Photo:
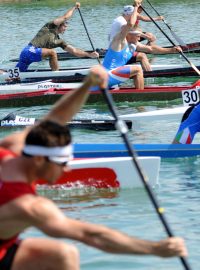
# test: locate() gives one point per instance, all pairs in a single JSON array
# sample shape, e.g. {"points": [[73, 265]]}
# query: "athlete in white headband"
{"points": [[51, 141], [43, 147]]}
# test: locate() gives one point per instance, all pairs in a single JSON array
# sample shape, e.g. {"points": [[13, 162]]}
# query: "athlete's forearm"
{"points": [[80, 53], [65, 17], [113, 241], [147, 19], [69, 13], [77, 52], [94, 235], [159, 18], [161, 50], [154, 49], [133, 18]]}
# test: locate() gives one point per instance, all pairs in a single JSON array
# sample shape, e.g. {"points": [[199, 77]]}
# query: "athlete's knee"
{"points": [[52, 53], [151, 37], [141, 56], [68, 255], [68, 250], [136, 70], [49, 53], [140, 71]]}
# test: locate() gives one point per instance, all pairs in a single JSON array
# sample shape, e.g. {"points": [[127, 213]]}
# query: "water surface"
{"points": [[127, 210]]}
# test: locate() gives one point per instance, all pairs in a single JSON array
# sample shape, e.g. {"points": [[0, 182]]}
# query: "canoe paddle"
{"points": [[123, 130], [87, 33], [178, 39], [184, 56]]}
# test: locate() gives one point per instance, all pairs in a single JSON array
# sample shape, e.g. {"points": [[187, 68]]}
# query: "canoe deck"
{"points": [[77, 74], [117, 172], [49, 96]]}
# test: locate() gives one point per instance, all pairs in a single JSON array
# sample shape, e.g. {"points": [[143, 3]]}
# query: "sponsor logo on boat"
{"points": [[18, 121], [8, 123], [47, 86]]}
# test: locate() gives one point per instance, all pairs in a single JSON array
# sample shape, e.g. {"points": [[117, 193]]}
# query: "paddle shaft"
{"points": [[123, 132], [179, 40], [184, 56], [87, 33]]}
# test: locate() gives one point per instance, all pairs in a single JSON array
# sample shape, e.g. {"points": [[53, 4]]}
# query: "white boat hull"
{"points": [[163, 114], [124, 169], [71, 72], [36, 86]]}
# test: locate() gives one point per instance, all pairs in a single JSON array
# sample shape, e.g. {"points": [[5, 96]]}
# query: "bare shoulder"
{"points": [[32, 202], [30, 205]]}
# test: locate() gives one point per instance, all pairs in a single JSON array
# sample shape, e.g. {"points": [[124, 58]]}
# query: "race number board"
{"points": [[190, 96], [13, 73]]}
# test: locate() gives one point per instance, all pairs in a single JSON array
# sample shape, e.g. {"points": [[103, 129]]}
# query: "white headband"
{"points": [[61, 159], [57, 152], [135, 32]]}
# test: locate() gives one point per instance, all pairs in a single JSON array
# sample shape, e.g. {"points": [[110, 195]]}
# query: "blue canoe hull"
{"points": [[119, 150]]}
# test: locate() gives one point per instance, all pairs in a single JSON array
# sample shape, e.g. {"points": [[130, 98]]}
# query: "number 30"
{"points": [[190, 97]]}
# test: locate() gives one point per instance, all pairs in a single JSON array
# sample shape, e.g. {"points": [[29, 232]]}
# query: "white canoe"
{"points": [[163, 114], [117, 172], [35, 86], [70, 72], [157, 115]]}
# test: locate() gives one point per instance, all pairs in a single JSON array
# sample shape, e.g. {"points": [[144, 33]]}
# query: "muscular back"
{"points": [[47, 37]]}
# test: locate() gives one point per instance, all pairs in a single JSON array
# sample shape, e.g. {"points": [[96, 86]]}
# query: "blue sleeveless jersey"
{"points": [[115, 59]]}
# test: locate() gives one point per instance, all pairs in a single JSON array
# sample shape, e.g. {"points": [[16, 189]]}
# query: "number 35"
{"points": [[13, 73]]}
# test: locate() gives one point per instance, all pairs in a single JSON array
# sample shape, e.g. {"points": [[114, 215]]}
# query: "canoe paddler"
{"points": [[125, 17], [43, 152], [133, 38], [122, 51], [146, 35], [122, 20], [46, 40], [119, 53]]}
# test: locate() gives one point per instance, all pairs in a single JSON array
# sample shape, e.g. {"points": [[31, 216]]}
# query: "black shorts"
{"points": [[6, 262], [142, 39], [133, 59]]}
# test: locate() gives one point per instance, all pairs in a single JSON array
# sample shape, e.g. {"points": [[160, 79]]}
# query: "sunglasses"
{"points": [[62, 164]]}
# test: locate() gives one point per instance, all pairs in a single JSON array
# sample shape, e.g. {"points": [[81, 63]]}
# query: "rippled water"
{"points": [[127, 210]]}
